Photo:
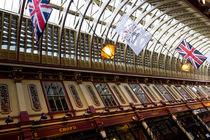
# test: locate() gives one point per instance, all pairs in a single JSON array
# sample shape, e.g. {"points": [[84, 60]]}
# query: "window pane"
{"points": [[182, 92], [139, 93], [58, 103], [52, 104], [197, 91], [65, 106], [172, 92], [56, 96], [165, 93], [159, 94], [105, 94], [206, 89]]}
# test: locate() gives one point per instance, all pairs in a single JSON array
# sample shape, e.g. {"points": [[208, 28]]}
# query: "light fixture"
{"points": [[103, 133], [202, 2], [68, 114], [185, 67], [107, 109], [43, 116], [133, 118], [9, 119], [108, 51]]}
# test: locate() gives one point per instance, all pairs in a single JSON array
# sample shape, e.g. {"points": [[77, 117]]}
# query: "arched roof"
{"points": [[169, 22]]}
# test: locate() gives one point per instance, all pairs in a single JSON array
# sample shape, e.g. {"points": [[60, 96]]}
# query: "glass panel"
{"points": [[75, 96], [52, 103], [164, 92], [139, 93], [206, 90], [58, 103], [93, 95], [5, 32], [159, 94], [172, 92], [56, 96], [182, 92], [197, 91], [105, 94], [65, 106]]}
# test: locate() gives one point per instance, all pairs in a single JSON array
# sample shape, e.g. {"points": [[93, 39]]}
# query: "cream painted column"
{"points": [[82, 87], [201, 121], [182, 128], [18, 76], [149, 132], [122, 90], [21, 98]]}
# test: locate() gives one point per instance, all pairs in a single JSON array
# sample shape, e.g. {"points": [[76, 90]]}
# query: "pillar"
{"points": [[24, 117], [182, 128], [85, 94], [149, 132], [203, 123], [78, 78], [17, 74]]}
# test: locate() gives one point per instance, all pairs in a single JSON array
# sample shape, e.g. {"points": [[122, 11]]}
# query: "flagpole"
{"points": [[19, 29]]}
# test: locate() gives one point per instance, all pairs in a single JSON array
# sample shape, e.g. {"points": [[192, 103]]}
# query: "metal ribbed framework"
{"points": [[80, 29]]}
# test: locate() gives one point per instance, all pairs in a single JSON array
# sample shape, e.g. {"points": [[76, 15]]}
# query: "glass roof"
{"points": [[168, 21]]}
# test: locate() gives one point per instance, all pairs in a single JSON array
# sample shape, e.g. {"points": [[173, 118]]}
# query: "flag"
{"points": [[208, 57], [191, 54], [136, 37], [40, 11]]}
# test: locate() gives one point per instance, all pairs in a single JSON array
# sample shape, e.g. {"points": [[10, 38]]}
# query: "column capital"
{"points": [[17, 74]]}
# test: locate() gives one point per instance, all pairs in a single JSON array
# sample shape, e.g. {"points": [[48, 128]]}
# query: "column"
{"points": [[91, 108], [85, 94], [203, 123], [149, 132], [182, 128], [18, 76], [21, 99]]}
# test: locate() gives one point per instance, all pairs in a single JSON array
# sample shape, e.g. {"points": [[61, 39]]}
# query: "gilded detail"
{"points": [[67, 129]]}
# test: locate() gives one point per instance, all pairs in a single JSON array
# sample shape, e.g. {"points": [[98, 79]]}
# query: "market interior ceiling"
{"points": [[169, 21]]}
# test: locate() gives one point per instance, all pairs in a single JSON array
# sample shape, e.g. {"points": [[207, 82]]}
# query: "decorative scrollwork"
{"points": [[118, 94], [75, 96], [34, 97], [93, 95]]}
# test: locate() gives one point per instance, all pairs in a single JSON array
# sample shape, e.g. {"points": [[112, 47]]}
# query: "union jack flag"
{"points": [[191, 54], [40, 11]]}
